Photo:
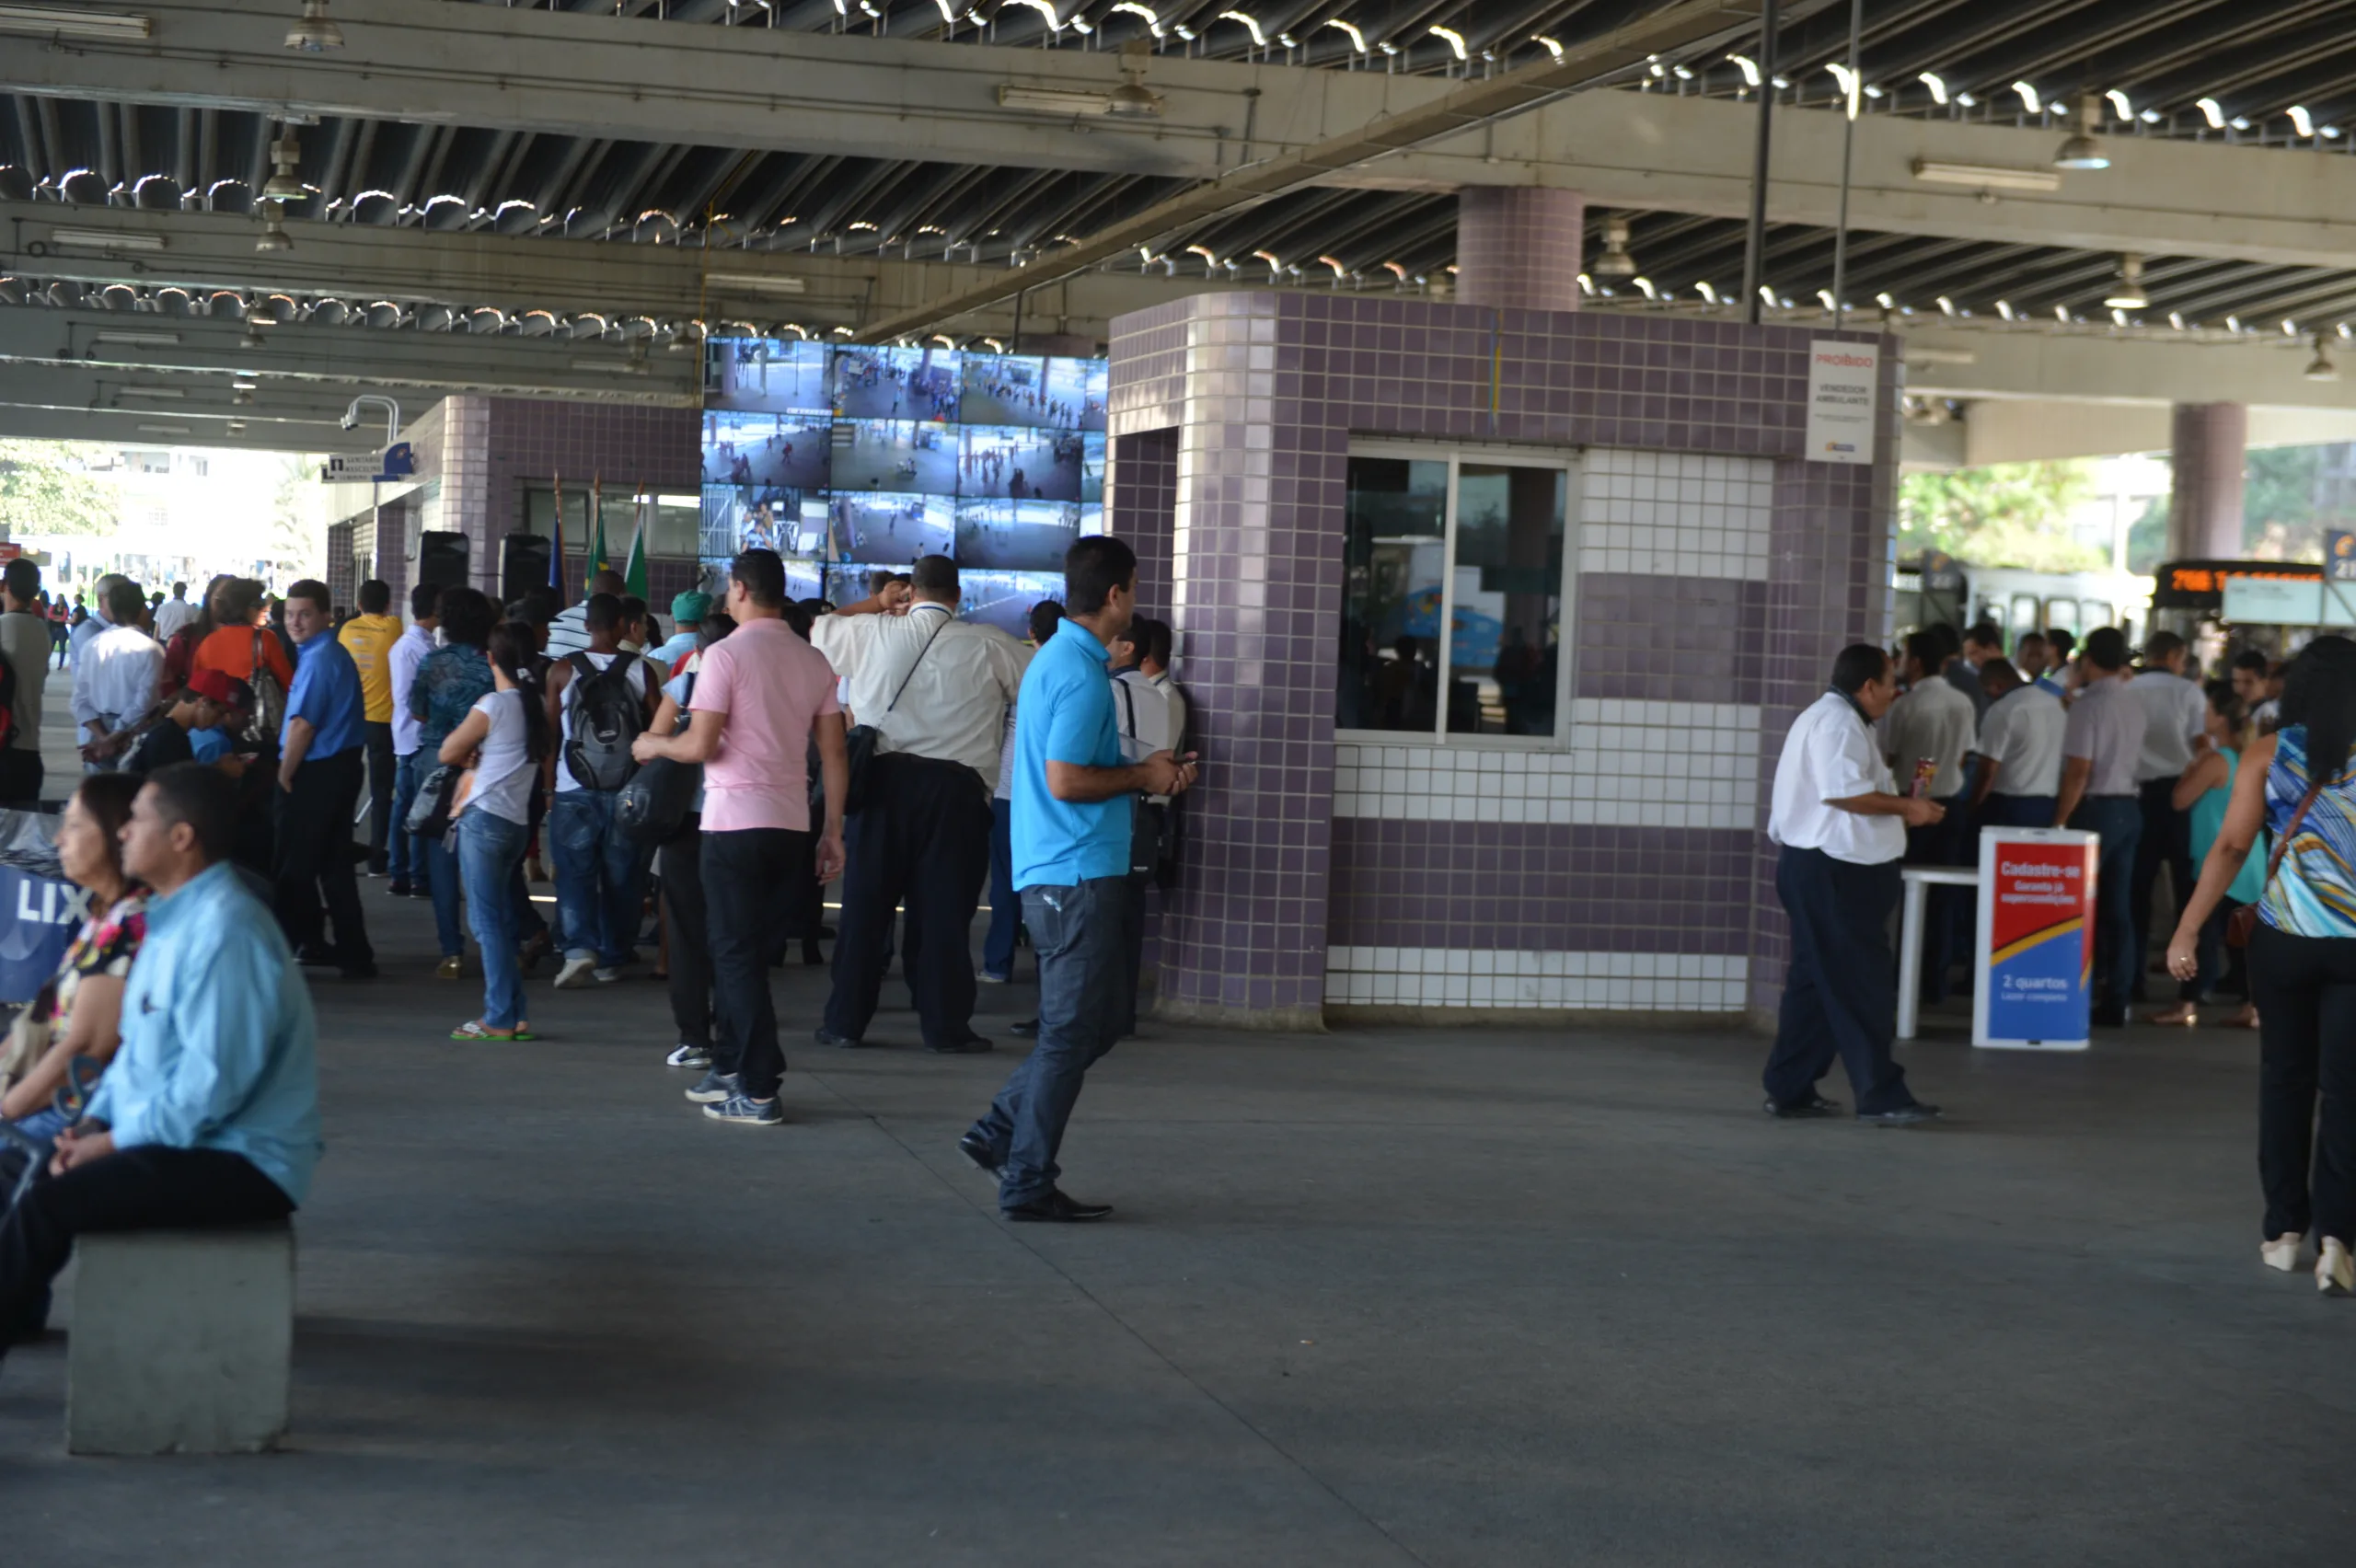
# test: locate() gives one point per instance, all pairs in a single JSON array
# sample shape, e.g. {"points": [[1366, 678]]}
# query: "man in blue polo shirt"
{"points": [[319, 751], [1071, 831]]}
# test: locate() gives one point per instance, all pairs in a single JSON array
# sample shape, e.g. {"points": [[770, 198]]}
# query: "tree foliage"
{"points": [[2004, 514], [51, 487]]}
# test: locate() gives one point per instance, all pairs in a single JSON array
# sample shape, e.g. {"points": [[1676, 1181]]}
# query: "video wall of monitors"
{"points": [[849, 460]]}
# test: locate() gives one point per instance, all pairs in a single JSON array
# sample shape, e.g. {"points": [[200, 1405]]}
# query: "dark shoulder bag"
{"points": [[859, 741], [2242, 921], [1145, 815], [653, 807]]}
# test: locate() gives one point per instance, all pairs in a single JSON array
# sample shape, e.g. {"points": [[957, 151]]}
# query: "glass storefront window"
{"points": [[1465, 541]]}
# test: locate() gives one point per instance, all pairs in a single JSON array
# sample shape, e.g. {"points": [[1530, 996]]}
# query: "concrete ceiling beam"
{"points": [[2155, 371]]}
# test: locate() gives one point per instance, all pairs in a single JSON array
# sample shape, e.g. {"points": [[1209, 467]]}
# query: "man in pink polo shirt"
{"points": [[762, 695]]}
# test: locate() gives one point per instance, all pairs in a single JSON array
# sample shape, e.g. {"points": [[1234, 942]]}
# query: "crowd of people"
{"points": [[2171, 774]]}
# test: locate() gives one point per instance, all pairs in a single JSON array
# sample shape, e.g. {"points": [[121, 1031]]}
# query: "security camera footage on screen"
{"points": [[852, 461]]}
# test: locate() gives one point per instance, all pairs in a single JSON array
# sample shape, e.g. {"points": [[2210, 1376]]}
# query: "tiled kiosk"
{"points": [[1556, 811]]}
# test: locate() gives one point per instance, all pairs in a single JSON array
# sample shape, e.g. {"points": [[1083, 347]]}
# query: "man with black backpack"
{"points": [[600, 700]]}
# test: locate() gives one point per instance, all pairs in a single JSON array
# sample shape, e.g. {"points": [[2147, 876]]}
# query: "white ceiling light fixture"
{"points": [[1986, 177], [99, 239], [2301, 121], [1152, 22], [2211, 112], [1967, 100], [286, 156], [1553, 47], [1938, 86], [2118, 101], [2320, 368], [2080, 149], [314, 34], [1454, 39], [274, 234], [2004, 309], [759, 282], [2029, 101], [1946, 305], [1615, 261], [1052, 101], [1706, 290], [2127, 293], [1250, 21], [179, 430], [168, 394], [59, 21], [117, 337], [1132, 99], [1749, 67], [1357, 38]]}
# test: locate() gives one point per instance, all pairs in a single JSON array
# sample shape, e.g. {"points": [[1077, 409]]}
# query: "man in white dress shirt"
{"points": [[2175, 718], [1841, 830], [115, 679], [1934, 722], [936, 690]]}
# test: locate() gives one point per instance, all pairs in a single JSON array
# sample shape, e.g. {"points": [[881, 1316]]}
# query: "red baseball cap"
{"points": [[214, 686]]}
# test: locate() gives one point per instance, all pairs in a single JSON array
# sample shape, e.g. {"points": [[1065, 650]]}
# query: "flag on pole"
{"points": [[634, 574], [556, 552], [598, 561]]}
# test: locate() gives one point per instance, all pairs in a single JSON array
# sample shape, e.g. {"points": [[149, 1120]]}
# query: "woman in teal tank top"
{"points": [[2301, 790], [2201, 794]]}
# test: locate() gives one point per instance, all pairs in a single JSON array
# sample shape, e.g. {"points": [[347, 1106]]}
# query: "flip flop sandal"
{"points": [[474, 1029]]}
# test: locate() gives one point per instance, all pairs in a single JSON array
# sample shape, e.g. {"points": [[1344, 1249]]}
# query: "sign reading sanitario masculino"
{"points": [[1842, 378]]}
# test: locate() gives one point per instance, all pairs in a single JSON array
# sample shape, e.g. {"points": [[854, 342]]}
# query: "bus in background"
{"points": [[1937, 589]]}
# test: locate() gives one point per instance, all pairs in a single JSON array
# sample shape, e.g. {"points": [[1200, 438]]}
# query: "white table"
{"points": [[1918, 879]]}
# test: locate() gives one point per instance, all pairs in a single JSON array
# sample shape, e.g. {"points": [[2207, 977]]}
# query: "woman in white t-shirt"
{"points": [[502, 741]]}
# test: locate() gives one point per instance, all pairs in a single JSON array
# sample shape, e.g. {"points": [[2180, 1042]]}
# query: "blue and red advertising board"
{"points": [[2036, 939]]}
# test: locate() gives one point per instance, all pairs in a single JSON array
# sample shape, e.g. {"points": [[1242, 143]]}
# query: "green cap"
{"points": [[691, 605]]}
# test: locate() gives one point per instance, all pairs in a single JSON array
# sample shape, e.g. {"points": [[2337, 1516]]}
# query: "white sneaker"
{"points": [[2335, 1270], [686, 1055], [2282, 1253], [605, 976], [575, 974]]}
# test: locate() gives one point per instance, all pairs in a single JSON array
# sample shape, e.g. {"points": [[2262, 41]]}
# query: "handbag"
{"points": [[653, 807], [429, 814], [859, 743], [269, 699], [2243, 921]]}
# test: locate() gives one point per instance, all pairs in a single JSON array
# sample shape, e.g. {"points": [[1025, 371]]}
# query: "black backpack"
{"points": [[609, 708]]}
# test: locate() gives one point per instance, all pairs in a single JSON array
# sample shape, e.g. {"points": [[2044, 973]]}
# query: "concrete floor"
{"points": [[1487, 1297]]}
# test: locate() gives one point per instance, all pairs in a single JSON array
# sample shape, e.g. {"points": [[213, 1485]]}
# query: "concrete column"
{"points": [[1518, 246], [2206, 447]]}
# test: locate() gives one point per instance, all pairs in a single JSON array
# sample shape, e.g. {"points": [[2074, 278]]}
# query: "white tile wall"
{"points": [[1674, 513], [1630, 765], [1371, 976]]}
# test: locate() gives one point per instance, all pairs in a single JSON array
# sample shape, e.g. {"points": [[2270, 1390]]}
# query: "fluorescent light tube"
{"points": [[1053, 101], [137, 340], [100, 240], [759, 282], [59, 21], [1986, 177]]}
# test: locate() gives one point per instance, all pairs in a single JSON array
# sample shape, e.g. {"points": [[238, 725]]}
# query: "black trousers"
{"points": [[21, 772], [2306, 992], [751, 880], [1947, 913], [2166, 841], [314, 856], [379, 742], [1841, 997], [149, 1188], [680, 865], [923, 838]]}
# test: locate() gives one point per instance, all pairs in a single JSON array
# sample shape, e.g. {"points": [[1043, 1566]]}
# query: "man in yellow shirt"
{"points": [[369, 637]]}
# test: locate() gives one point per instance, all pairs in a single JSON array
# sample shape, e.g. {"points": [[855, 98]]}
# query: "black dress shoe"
{"points": [[365, 971], [313, 956], [811, 957], [972, 1046], [1814, 1105], [840, 1042], [1026, 1027], [976, 1147], [1913, 1116], [399, 888], [1055, 1209], [2108, 1017]]}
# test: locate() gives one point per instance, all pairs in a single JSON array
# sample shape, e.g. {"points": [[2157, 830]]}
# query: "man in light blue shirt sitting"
{"points": [[209, 1114], [1071, 833], [319, 751]]}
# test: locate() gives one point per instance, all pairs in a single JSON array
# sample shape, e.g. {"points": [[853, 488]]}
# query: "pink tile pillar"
{"points": [[1518, 246], [2207, 445]]}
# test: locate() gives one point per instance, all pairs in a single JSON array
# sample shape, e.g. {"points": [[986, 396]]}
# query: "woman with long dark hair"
{"points": [[2297, 785], [501, 743]]}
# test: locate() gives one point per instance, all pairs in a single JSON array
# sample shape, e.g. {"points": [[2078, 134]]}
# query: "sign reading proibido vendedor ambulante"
{"points": [[1841, 382]]}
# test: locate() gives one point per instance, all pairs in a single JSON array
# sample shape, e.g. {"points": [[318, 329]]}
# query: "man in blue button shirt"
{"points": [[209, 1111], [319, 751], [1071, 824]]}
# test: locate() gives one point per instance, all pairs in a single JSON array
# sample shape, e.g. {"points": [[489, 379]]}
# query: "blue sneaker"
{"points": [[746, 1112], [716, 1086]]}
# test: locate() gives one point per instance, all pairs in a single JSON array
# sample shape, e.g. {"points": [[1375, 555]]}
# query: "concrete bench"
{"points": [[181, 1341]]}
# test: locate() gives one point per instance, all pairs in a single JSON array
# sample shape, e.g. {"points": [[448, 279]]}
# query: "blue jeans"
{"points": [[491, 855], [2119, 820], [442, 881], [1006, 904], [600, 876], [403, 859], [1078, 933]]}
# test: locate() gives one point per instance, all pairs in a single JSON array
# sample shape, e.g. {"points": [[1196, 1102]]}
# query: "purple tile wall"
{"points": [[1669, 638], [1141, 495], [1519, 245], [1538, 888], [1263, 393]]}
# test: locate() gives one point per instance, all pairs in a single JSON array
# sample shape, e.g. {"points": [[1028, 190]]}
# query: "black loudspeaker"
{"points": [[442, 560], [523, 563]]}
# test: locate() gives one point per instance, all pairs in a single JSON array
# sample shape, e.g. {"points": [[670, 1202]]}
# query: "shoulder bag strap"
{"points": [[1129, 701], [913, 663], [258, 652], [2282, 842]]}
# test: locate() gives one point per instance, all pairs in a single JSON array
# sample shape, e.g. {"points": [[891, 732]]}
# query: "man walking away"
{"points": [[175, 613], [403, 858], [761, 695], [24, 639], [369, 638], [2100, 744], [1841, 828], [599, 701], [1006, 904], [319, 750], [936, 690], [1071, 860], [209, 1114], [2019, 771], [117, 677], [97, 623], [2175, 717]]}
